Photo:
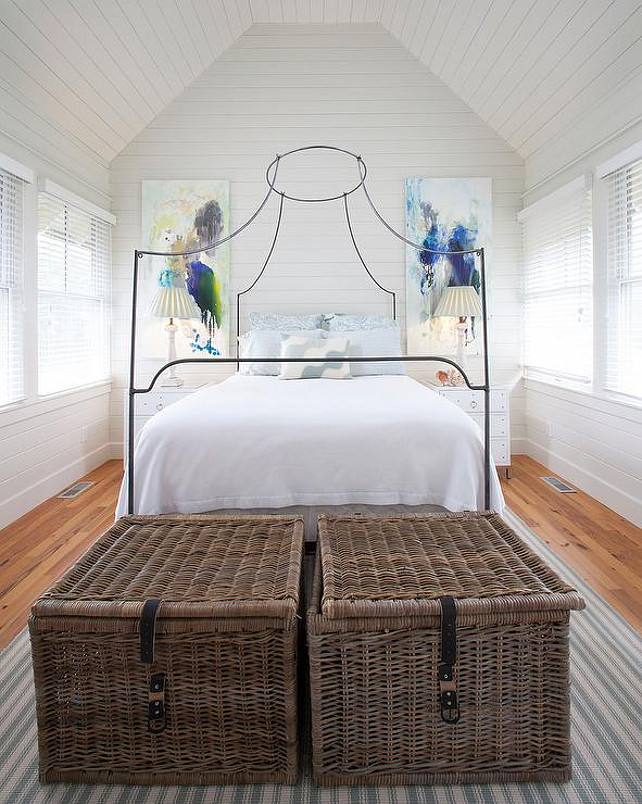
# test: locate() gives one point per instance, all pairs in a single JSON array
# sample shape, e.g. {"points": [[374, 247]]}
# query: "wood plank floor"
{"points": [[604, 548]]}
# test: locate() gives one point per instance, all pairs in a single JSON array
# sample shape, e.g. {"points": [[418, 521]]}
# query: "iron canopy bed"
{"points": [[128, 495]]}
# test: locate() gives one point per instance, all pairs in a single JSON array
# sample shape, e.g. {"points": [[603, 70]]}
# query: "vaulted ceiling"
{"points": [[98, 71]]}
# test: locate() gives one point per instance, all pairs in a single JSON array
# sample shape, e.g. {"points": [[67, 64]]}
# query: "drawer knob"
{"points": [[159, 406], [473, 404]]}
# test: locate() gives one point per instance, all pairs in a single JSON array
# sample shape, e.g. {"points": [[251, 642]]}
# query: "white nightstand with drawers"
{"points": [[472, 403], [148, 405]]}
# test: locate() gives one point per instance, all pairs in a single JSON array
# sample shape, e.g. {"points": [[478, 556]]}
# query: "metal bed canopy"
{"points": [[271, 174]]}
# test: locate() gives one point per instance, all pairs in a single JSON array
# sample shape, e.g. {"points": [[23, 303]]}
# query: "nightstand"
{"points": [[147, 405], [472, 403]]}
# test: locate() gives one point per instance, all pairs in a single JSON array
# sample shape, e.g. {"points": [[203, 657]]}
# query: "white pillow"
{"points": [[330, 350], [285, 322], [382, 342], [342, 322], [266, 343]]}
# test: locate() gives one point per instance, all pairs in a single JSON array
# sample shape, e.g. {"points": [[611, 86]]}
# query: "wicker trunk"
{"points": [[200, 689], [388, 705]]}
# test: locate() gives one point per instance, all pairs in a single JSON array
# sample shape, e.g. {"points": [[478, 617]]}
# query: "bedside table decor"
{"points": [[462, 303], [172, 301]]}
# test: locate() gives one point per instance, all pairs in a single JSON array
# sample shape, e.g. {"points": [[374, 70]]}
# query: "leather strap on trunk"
{"points": [[156, 711], [447, 685]]}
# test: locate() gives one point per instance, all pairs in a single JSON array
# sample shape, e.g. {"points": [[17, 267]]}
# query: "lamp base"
{"points": [[461, 343]]}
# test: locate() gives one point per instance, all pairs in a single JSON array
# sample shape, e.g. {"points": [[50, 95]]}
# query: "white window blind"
{"points": [[623, 370], [74, 258], [11, 289], [558, 305]]}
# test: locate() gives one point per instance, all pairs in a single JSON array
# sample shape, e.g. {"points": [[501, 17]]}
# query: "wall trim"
{"points": [[618, 501], [17, 169], [30, 408], [572, 188], [53, 188], [59, 166], [586, 398], [34, 495], [624, 158], [586, 154]]}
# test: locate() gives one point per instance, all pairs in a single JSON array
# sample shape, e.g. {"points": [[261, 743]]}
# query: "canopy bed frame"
{"points": [[271, 179]]}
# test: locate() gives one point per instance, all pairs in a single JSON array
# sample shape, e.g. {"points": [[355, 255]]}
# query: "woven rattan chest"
{"points": [[199, 689], [438, 650]]}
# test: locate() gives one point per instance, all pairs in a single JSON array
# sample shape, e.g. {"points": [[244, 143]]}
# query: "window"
{"points": [[11, 289], [74, 255], [558, 286], [623, 371]]}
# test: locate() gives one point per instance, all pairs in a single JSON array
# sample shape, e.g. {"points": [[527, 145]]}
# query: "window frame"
{"points": [[32, 404], [69, 204], [576, 189], [598, 388]]}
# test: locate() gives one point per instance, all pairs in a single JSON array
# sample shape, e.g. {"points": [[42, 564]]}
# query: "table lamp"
{"points": [[172, 301], [459, 302]]}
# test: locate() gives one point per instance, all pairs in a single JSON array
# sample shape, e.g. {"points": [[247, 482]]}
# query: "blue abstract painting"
{"points": [[442, 215]]}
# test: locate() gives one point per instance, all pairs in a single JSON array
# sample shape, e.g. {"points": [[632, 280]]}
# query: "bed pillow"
{"points": [[383, 342], [326, 358], [285, 322], [266, 343], [342, 322]]}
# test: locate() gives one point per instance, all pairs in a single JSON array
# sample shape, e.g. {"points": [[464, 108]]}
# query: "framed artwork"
{"points": [[179, 215], [445, 215]]}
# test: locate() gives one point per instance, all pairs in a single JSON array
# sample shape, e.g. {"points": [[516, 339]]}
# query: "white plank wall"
{"points": [[281, 87], [593, 443], [42, 450]]}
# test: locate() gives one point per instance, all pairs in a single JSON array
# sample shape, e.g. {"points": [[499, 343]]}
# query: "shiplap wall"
{"points": [[41, 440], [594, 443], [280, 87]]}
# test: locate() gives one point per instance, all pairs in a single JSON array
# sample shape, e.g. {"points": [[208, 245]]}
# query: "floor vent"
{"points": [[558, 484], [74, 491]]}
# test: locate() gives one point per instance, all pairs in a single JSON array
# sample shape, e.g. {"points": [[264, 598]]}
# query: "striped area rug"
{"points": [[606, 731]]}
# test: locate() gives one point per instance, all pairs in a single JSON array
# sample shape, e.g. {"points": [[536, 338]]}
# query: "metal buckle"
{"points": [[157, 714], [449, 707]]}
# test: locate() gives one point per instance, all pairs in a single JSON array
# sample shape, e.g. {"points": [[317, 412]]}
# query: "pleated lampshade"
{"points": [[459, 302], [173, 301]]}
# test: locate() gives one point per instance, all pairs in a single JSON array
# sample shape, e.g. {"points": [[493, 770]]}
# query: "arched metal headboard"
{"points": [[271, 177]]}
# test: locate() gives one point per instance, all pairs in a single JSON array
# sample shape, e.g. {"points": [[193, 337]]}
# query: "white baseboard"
{"points": [[618, 501], [46, 487]]}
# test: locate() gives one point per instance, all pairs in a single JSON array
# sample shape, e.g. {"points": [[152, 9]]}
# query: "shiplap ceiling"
{"points": [[100, 70]]}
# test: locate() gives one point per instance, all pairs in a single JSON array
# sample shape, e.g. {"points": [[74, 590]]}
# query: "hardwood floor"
{"points": [[601, 546], [38, 547], [604, 548]]}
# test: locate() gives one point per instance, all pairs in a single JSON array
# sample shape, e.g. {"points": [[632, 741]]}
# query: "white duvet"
{"points": [[263, 442]]}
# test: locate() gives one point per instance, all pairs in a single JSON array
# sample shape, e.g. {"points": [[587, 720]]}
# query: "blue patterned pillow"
{"points": [[341, 321], [267, 343], [325, 358], [279, 321]]}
